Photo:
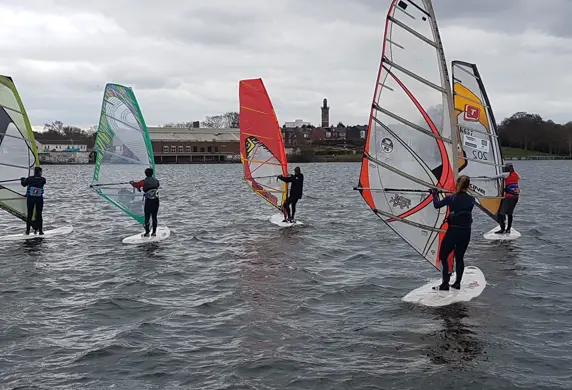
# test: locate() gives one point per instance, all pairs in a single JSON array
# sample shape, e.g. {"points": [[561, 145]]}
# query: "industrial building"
{"points": [[173, 145]]}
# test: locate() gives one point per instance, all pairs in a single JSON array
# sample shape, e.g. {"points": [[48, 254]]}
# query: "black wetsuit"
{"points": [[150, 187], [35, 201], [296, 190], [458, 234]]}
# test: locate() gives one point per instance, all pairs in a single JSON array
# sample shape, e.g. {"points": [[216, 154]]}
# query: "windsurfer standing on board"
{"points": [[295, 195], [459, 232], [35, 200], [511, 192], [150, 187]]}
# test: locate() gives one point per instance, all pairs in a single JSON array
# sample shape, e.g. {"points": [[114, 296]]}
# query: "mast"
{"points": [[449, 92]]}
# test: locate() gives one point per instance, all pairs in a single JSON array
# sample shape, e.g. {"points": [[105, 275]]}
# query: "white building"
{"points": [[60, 146], [296, 123]]}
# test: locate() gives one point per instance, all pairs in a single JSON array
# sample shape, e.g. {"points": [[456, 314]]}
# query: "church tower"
{"points": [[325, 114]]}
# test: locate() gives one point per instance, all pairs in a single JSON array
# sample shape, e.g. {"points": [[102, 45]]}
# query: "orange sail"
{"points": [[262, 149]]}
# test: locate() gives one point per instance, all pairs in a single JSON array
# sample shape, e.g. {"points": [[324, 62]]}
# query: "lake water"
{"points": [[231, 301]]}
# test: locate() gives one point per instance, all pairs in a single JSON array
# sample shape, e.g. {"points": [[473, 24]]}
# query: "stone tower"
{"points": [[325, 114]]}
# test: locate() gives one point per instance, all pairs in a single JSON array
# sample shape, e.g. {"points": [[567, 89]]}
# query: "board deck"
{"points": [[492, 236], [472, 285], [47, 234], [277, 219], [163, 232]]}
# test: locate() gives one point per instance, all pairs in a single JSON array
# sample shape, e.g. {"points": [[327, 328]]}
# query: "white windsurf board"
{"points": [[492, 236], [47, 234], [277, 219], [472, 285], [163, 232]]}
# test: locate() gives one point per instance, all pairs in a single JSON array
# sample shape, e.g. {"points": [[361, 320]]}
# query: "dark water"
{"points": [[230, 301]]}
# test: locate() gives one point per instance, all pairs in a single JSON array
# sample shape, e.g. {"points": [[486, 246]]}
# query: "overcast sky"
{"points": [[184, 58]]}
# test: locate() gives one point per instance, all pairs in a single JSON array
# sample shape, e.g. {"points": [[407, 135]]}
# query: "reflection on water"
{"points": [[456, 342], [33, 246]]}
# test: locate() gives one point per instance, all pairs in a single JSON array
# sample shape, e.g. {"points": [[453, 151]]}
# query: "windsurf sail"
{"points": [[409, 146], [18, 154], [262, 149], [480, 154], [123, 151]]}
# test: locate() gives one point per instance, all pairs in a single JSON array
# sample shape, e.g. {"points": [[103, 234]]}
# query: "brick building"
{"points": [[194, 145]]}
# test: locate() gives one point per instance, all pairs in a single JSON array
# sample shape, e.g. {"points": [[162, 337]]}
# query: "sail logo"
{"points": [[386, 145], [476, 189], [250, 144], [472, 113], [400, 201]]}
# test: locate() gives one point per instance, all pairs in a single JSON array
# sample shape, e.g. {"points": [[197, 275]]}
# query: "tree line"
{"points": [[228, 120], [531, 132], [57, 132]]}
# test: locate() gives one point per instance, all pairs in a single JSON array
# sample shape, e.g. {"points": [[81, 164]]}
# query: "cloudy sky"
{"points": [[184, 57]]}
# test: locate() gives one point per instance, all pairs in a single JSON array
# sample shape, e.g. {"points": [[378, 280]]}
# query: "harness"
{"points": [[152, 193], [457, 218], [35, 191], [511, 185], [454, 218]]}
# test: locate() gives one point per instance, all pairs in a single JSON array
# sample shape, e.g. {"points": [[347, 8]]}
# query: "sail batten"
{"points": [[18, 154], [15, 137], [413, 32], [261, 144], [410, 143], [411, 74], [123, 150], [408, 123]]}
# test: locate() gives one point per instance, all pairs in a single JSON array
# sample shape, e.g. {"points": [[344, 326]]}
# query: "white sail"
{"points": [[18, 154], [409, 147], [481, 155]]}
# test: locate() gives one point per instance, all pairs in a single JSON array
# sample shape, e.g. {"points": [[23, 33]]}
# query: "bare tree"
{"points": [[55, 126], [215, 122], [232, 120]]}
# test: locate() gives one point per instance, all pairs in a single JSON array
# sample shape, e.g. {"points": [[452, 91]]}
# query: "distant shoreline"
{"points": [[308, 156]]}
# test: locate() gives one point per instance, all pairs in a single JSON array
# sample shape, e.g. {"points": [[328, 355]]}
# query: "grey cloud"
{"points": [[513, 16], [184, 57]]}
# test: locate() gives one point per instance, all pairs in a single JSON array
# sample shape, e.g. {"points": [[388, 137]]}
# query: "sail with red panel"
{"points": [[262, 149], [410, 144]]}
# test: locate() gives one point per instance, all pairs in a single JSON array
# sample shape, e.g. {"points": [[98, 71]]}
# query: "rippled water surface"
{"points": [[231, 301]]}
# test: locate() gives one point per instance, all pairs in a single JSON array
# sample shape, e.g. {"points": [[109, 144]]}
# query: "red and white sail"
{"points": [[410, 144]]}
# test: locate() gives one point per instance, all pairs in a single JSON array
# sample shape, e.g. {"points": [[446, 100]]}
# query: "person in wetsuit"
{"points": [[511, 192], [34, 200], [150, 187], [459, 232], [296, 189]]}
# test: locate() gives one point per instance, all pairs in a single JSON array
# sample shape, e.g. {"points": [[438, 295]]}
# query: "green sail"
{"points": [[18, 154], [123, 151]]}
